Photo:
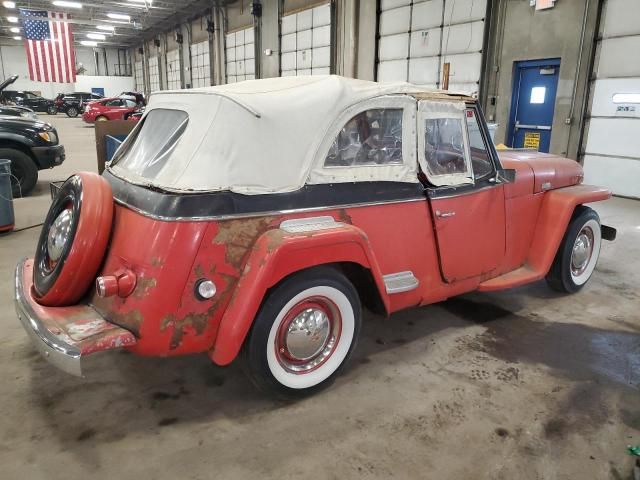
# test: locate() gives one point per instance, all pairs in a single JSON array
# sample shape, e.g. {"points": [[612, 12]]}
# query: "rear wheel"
{"points": [[101, 118], [52, 110], [72, 112], [578, 253], [24, 172], [304, 333]]}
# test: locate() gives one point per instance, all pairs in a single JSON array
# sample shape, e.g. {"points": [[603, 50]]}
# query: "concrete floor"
{"points": [[525, 384]]}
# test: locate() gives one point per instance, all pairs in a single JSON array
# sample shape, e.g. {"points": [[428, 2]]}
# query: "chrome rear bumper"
{"points": [[63, 335]]}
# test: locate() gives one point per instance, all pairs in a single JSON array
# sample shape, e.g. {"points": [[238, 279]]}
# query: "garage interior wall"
{"points": [[612, 140], [418, 38], [518, 32], [306, 41]]}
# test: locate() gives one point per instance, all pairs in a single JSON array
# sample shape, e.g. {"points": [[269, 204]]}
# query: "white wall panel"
{"points": [[460, 41], [240, 55], [154, 74], [389, 4], [173, 70], [603, 92], [620, 18], [201, 64], [394, 47], [619, 57], [621, 175], [426, 15], [612, 146], [306, 42], [425, 43]]}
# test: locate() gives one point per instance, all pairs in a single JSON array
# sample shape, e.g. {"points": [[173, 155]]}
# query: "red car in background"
{"points": [[108, 109]]}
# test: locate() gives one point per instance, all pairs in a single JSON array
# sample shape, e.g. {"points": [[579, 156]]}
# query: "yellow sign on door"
{"points": [[532, 140]]}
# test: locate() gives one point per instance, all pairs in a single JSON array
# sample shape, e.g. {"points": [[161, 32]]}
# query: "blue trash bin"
{"points": [[7, 218]]}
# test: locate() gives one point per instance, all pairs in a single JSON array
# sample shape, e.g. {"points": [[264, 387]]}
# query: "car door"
{"points": [[466, 202]]}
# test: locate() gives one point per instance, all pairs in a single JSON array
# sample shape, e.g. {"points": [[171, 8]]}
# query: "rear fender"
{"points": [[555, 214], [277, 254]]}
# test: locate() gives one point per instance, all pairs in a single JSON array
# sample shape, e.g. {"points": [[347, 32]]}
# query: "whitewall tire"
{"points": [[578, 253], [304, 333]]}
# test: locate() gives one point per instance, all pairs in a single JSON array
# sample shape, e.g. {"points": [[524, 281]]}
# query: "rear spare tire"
{"points": [[24, 172], [73, 240]]}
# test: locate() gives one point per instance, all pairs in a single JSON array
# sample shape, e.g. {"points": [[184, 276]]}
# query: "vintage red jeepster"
{"points": [[259, 217]]}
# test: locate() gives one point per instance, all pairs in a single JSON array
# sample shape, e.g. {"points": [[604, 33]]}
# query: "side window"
{"points": [[372, 137], [130, 103], [480, 159], [444, 149], [113, 103]]}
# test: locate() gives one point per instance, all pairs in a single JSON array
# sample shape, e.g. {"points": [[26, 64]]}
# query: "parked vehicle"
{"points": [[268, 239], [27, 99], [31, 145], [108, 109], [135, 96], [135, 116], [14, 110], [74, 103]]}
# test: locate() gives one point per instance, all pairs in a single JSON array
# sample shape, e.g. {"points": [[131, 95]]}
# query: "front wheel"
{"points": [[304, 333], [24, 172], [72, 112], [52, 110], [578, 253]]}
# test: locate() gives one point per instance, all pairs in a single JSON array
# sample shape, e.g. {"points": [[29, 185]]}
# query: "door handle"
{"points": [[440, 214]]}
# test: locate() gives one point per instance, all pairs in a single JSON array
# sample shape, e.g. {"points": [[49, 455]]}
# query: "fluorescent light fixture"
{"points": [[89, 43], [146, 2], [106, 28], [96, 36], [17, 37], [119, 16], [64, 3], [14, 30], [626, 98], [12, 19], [9, 4]]}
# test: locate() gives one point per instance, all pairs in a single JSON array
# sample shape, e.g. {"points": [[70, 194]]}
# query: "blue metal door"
{"points": [[532, 104]]}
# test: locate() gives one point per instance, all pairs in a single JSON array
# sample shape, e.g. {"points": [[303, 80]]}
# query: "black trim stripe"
{"points": [[217, 204]]}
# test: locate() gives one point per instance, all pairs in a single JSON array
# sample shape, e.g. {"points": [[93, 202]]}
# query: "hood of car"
{"points": [[18, 123], [549, 171], [7, 82]]}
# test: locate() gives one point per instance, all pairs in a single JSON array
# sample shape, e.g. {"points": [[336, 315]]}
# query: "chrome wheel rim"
{"points": [[582, 251], [59, 234], [308, 335]]}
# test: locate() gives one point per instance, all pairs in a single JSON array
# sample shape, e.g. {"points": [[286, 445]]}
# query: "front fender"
{"points": [[277, 254], [555, 214]]}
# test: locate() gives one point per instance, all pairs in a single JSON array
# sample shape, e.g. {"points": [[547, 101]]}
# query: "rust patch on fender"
{"points": [[131, 320], [143, 285], [239, 235]]}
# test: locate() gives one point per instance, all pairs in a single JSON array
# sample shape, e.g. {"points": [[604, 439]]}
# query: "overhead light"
{"points": [[9, 4], [17, 37], [141, 1], [64, 3], [106, 28], [13, 19], [89, 43], [14, 30], [119, 16], [96, 36], [626, 98]]}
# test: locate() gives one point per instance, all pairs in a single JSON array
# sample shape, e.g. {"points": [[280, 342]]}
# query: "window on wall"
{"points": [[306, 42], [139, 67], [154, 74], [240, 55], [173, 70], [200, 65]]}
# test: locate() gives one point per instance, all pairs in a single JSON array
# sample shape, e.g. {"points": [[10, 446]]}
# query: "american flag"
{"points": [[49, 44]]}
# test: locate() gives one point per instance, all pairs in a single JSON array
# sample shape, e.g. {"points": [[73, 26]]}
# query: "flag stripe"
{"points": [[49, 46]]}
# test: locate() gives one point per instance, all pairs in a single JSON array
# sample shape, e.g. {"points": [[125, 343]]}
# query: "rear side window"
{"points": [[147, 149], [372, 137]]}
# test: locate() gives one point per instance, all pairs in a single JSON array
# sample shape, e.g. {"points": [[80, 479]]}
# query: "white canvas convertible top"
{"points": [[260, 136]]}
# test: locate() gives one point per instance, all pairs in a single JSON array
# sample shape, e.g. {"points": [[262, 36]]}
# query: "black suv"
{"points": [[27, 99], [31, 145], [73, 103]]}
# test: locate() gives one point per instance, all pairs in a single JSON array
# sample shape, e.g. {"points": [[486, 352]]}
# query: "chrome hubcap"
{"points": [[308, 335], [59, 233], [582, 250]]}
